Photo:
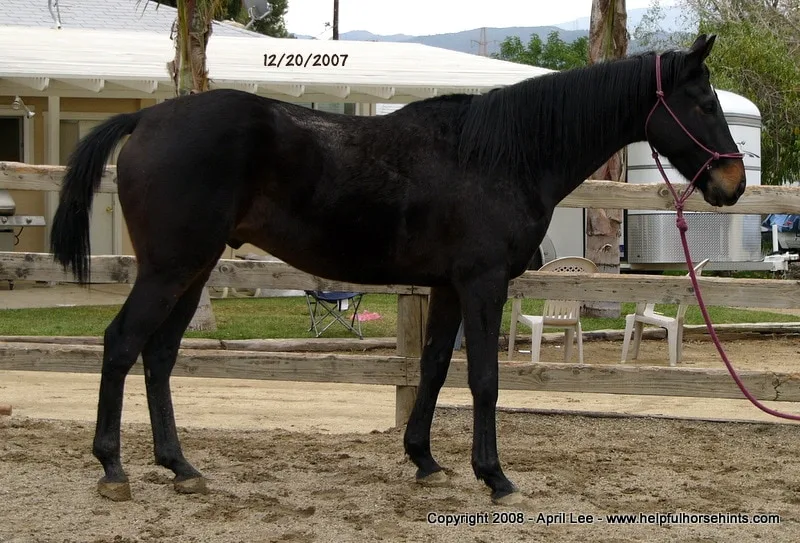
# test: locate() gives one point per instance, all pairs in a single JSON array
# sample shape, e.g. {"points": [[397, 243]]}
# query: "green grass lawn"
{"points": [[246, 318]]}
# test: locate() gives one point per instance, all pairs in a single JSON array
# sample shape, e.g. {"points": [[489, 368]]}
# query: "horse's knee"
{"points": [[118, 356], [158, 363], [484, 390], [117, 365]]}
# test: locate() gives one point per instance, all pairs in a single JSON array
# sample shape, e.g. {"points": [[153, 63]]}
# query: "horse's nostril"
{"points": [[740, 188]]}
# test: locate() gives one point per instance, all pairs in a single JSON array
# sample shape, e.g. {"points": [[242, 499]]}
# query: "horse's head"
{"points": [[695, 104]]}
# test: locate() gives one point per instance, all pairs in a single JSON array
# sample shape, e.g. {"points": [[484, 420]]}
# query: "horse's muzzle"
{"points": [[726, 183]]}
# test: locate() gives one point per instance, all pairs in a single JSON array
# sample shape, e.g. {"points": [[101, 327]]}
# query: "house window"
{"points": [[336, 107], [11, 139], [348, 108]]}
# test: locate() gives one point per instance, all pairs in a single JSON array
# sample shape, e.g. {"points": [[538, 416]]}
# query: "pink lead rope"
{"points": [[683, 227]]}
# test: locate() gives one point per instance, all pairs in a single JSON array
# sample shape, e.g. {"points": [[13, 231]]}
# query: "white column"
{"points": [[52, 145], [366, 109]]}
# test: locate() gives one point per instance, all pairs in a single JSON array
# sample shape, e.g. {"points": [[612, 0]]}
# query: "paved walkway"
{"points": [[30, 294]]}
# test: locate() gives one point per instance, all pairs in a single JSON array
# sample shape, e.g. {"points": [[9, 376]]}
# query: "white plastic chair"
{"points": [[556, 313], [646, 314]]}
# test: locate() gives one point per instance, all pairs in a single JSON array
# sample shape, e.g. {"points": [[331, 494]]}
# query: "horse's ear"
{"points": [[701, 47]]}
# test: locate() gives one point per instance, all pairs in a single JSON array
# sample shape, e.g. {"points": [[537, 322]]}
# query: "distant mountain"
{"points": [[674, 19], [466, 41], [364, 35]]}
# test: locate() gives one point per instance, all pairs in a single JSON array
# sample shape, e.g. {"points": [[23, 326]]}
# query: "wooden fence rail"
{"points": [[402, 371], [762, 293], [597, 194]]}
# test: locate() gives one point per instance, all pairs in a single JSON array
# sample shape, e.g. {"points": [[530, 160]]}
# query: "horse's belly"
{"points": [[340, 249]]}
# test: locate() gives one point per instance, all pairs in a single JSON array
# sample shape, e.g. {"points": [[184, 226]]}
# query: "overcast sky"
{"points": [[420, 17]]}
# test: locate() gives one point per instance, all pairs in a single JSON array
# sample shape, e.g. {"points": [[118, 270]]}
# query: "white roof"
{"points": [[134, 15], [82, 62]]}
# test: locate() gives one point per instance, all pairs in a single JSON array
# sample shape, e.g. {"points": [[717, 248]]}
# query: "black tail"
{"points": [[69, 240]]}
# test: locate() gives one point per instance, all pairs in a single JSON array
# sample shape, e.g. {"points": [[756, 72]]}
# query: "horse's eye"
{"points": [[709, 107]]}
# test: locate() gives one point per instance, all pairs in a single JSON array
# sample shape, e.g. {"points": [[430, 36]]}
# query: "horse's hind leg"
{"points": [[444, 318], [150, 302], [159, 356]]}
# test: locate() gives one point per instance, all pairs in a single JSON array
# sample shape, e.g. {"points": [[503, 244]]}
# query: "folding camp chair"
{"points": [[325, 306]]}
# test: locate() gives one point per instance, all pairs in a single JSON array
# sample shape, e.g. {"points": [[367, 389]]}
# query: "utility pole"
{"points": [[482, 43], [335, 19]]}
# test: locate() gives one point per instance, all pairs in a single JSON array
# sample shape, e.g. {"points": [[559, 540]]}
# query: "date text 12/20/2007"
{"points": [[303, 61]]}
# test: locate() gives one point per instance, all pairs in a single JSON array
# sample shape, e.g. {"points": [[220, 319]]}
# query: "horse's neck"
{"points": [[601, 124]]}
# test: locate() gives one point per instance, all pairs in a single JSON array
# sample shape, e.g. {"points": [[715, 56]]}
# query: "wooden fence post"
{"points": [[5, 409], [412, 313]]}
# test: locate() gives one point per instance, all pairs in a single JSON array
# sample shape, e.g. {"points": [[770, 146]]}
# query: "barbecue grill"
{"points": [[9, 221]]}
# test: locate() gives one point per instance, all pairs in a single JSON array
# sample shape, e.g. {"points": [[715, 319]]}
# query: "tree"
{"points": [[555, 54], [271, 25], [650, 35], [608, 39], [758, 57]]}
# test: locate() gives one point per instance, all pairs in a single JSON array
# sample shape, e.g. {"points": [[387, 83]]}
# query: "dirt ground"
{"points": [[277, 485], [322, 462]]}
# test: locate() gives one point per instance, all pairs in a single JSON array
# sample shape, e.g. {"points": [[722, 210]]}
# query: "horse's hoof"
{"points": [[514, 498], [192, 485], [118, 492], [437, 478]]}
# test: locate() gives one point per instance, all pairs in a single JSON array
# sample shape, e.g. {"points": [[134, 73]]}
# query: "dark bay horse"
{"points": [[454, 192]]}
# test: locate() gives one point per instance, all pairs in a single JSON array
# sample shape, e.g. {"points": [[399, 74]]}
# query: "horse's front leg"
{"points": [[444, 317], [482, 301]]}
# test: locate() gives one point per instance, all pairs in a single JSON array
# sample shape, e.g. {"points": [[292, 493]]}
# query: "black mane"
{"points": [[512, 130]]}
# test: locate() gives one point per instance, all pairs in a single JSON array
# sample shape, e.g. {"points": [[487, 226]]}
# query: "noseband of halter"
{"points": [[713, 155], [682, 227]]}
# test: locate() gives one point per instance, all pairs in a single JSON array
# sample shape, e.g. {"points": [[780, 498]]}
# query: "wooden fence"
{"points": [[592, 194], [402, 370]]}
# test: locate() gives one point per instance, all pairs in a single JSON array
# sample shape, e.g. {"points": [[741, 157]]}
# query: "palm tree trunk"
{"points": [[608, 39], [188, 71]]}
